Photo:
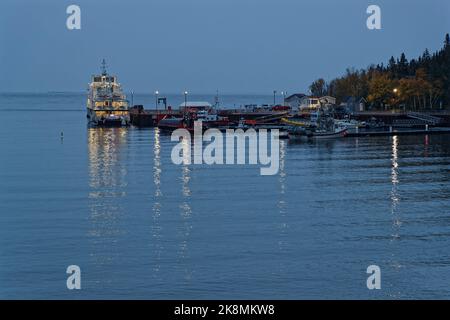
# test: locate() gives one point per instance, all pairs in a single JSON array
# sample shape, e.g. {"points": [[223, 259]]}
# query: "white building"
{"points": [[300, 101], [328, 100]]}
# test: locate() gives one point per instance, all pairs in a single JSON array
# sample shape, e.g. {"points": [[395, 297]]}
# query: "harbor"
{"points": [[297, 116], [358, 123]]}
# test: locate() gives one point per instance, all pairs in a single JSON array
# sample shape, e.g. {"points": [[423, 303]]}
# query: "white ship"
{"points": [[106, 104]]}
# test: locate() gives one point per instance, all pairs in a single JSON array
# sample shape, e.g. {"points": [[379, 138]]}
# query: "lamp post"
{"points": [[156, 95], [395, 91], [283, 93], [185, 98]]}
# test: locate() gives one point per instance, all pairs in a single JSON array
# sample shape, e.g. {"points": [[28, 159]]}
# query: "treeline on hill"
{"points": [[422, 83]]}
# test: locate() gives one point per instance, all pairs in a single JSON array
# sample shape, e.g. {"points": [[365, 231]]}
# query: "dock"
{"points": [[398, 132], [393, 123], [406, 118], [143, 118]]}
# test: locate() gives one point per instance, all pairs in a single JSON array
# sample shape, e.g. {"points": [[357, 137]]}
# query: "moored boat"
{"points": [[320, 126], [338, 132], [210, 119], [312, 133], [171, 124], [106, 104], [351, 124]]}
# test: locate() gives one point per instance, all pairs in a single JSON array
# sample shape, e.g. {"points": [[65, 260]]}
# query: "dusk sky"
{"points": [[236, 46]]}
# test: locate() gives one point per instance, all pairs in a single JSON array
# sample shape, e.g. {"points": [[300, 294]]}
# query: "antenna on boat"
{"points": [[104, 73], [217, 98]]}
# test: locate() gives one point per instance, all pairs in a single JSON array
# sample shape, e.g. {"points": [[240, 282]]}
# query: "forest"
{"points": [[418, 84]]}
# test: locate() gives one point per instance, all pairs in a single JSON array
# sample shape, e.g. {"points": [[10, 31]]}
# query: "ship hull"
{"points": [[108, 121], [307, 135], [333, 135]]}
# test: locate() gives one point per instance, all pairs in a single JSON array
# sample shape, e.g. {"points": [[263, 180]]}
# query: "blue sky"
{"points": [[236, 46]]}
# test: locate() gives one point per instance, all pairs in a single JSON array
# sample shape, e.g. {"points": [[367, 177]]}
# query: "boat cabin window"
{"points": [[107, 79]]}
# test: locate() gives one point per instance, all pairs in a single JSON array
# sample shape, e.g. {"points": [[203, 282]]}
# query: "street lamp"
{"points": [[395, 91], [156, 95], [283, 93], [185, 98]]}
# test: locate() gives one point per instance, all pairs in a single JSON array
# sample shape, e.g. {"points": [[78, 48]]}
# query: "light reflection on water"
{"points": [[157, 245], [283, 246], [394, 192], [108, 187], [185, 229], [396, 219]]}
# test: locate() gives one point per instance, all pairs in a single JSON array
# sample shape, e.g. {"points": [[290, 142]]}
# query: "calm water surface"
{"points": [[112, 202]]}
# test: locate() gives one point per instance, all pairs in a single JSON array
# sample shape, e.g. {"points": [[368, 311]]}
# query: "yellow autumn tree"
{"points": [[381, 89]]}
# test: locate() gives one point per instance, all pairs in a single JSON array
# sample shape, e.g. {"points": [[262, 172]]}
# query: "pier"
{"points": [[391, 131], [393, 123], [434, 118], [143, 118]]}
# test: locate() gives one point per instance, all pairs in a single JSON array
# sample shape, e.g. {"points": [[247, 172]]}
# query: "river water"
{"points": [[112, 202]]}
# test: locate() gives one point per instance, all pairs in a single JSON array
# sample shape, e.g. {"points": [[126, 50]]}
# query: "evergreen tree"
{"points": [[426, 55], [402, 66], [392, 67], [412, 67], [392, 64]]}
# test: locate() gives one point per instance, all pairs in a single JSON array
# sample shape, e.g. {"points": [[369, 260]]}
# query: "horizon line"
{"points": [[145, 93]]}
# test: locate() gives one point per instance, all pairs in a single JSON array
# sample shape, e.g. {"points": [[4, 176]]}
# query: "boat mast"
{"points": [[104, 73], [216, 102]]}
